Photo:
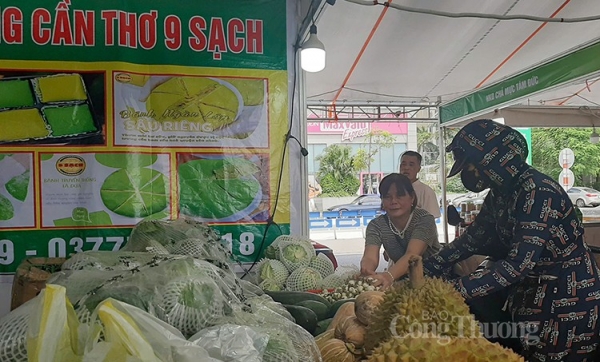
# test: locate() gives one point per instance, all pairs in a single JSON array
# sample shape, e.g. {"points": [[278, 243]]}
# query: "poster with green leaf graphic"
{"points": [[113, 112]]}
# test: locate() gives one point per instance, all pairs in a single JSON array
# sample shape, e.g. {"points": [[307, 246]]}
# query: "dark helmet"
{"points": [[495, 149]]}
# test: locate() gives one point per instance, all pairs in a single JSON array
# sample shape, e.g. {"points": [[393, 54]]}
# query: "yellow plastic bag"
{"points": [[124, 341], [133, 335], [53, 332]]}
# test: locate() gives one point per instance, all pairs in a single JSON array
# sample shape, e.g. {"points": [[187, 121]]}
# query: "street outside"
{"points": [[348, 247]]}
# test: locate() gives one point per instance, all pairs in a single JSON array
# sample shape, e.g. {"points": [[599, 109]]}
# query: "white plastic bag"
{"points": [[232, 343]]}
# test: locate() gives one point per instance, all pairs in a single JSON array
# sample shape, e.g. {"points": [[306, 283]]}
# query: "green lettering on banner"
{"points": [[160, 32], [564, 69], [244, 242]]}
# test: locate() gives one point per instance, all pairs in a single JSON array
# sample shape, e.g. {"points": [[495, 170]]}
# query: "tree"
{"points": [[546, 144], [337, 174], [364, 157]]}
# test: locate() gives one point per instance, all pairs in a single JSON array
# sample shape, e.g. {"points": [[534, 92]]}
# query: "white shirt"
{"points": [[426, 198]]}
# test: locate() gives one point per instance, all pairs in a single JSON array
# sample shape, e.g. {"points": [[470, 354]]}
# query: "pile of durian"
{"points": [[417, 320]]}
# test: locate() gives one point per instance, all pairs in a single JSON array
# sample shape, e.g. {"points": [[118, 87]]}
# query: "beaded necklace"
{"points": [[395, 230]]}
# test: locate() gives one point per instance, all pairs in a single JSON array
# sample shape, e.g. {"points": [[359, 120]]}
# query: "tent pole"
{"points": [[442, 173]]}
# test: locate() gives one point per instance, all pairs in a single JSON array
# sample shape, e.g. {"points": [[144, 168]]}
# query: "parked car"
{"points": [[473, 197], [361, 203], [584, 196]]}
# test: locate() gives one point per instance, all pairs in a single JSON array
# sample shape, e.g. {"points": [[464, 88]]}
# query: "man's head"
{"points": [[410, 164], [487, 154]]}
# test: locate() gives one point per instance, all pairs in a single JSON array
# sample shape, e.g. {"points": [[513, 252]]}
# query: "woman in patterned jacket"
{"points": [[529, 227]]}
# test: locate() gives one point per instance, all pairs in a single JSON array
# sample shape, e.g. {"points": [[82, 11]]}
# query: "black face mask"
{"points": [[471, 181]]}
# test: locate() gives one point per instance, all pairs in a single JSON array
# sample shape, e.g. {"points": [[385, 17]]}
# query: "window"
{"points": [[314, 150]]}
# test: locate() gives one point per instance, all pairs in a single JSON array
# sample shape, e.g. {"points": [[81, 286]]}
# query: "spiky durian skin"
{"points": [[434, 308], [448, 349]]}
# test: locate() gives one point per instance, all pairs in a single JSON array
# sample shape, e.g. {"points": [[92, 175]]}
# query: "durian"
{"points": [[432, 348], [420, 305]]}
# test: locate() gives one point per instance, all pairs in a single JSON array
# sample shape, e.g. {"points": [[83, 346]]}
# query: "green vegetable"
{"points": [[322, 326], [335, 306], [291, 298], [136, 192], [295, 253], [304, 317], [320, 309], [274, 270]]}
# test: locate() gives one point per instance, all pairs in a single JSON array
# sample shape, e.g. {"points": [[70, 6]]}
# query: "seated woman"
{"points": [[404, 230]]}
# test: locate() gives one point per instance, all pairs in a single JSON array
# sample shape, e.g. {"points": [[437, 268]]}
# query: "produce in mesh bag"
{"points": [[107, 260], [169, 233], [280, 349], [288, 342], [271, 285], [265, 306], [130, 294], [296, 253], [13, 332], [421, 302], [230, 342], [191, 304], [432, 348], [303, 279], [323, 265], [273, 270], [272, 251], [198, 249], [333, 281]]}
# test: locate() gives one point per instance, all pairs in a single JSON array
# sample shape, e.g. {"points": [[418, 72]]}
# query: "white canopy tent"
{"points": [[378, 54]]}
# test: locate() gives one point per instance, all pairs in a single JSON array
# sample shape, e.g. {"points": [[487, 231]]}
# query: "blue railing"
{"points": [[343, 219]]}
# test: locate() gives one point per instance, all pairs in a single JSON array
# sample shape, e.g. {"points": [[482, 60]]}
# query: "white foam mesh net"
{"points": [[303, 279], [323, 265], [333, 281], [295, 252], [101, 260], [169, 233], [13, 333], [272, 269], [190, 304], [270, 285]]}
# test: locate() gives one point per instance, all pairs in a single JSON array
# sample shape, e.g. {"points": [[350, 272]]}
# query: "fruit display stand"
{"points": [[171, 295], [380, 326]]}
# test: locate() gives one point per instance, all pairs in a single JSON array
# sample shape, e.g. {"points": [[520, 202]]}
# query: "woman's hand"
{"points": [[366, 272], [383, 280]]}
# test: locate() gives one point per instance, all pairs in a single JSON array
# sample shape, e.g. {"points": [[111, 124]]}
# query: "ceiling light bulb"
{"points": [[312, 55]]}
